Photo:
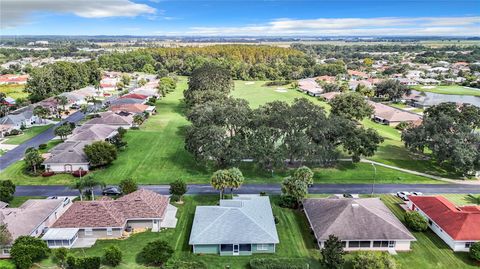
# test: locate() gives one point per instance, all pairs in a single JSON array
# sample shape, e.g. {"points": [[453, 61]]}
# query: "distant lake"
{"points": [[437, 98]]}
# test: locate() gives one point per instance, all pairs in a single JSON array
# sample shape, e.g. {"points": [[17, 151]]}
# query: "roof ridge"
{"points": [[387, 221], [211, 223], [273, 237], [336, 219]]}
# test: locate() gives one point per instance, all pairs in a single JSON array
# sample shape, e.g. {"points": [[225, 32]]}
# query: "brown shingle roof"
{"points": [[141, 204]]}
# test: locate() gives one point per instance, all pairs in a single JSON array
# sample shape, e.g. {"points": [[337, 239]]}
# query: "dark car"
{"points": [[111, 191], [347, 195]]}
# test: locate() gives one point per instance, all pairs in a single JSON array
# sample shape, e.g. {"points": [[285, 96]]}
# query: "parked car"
{"points": [[403, 195], [416, 193], [347, 195], [111, 191]]}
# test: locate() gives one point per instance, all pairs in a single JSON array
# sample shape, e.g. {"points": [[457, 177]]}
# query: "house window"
{"points": [[262, 247], [88, 231], [225, 247], [469, 244], [245, 247], [380, 244], [391, 244], [364, 244], [344, 244], [6, 251], [354, 244], [109, 231]]}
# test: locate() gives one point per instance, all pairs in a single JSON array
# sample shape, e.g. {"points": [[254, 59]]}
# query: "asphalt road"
{"points": [[57, 190], [17, 153]]}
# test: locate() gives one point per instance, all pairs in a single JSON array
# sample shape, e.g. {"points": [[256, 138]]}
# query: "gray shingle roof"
{"points": [[93, 132], [68, 152], [354, 219], [246, 219]]}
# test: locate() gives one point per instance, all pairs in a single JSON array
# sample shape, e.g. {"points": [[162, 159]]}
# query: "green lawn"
{"points": [[19, 200], [429, 251], [451, 89], [295, 237], [14, 91], [27, 134], [461, 199], [156, 154]]}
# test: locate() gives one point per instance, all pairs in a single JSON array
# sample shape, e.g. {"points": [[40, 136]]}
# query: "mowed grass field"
{"points": [[156, 155], [14, 91], [27, 134], [451, 89]]}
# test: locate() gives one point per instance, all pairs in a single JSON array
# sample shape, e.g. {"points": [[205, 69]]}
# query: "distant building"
{"points": [[310, 87], [392, 116]]}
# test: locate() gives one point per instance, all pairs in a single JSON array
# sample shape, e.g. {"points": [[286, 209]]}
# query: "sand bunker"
{"points": [[281, 90], [249, 83], [428, 87]]}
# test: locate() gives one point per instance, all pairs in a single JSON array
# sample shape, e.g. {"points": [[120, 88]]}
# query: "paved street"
{"points": [[17, 153], [273, 189]]}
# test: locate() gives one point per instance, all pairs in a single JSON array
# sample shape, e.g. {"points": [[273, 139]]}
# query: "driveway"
{"points": [[17, 153]]}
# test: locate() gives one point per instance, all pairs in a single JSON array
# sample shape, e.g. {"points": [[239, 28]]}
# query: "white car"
{"points": [[403, 195], [416, 193]]}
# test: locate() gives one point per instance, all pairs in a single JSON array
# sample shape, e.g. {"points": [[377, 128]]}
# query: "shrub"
{"points": [[48, 174], [15, 132], [175, 198], [178, 187], [27, 250], [371, 259], [288, 201], [135, 128], [100, 153], [332, 253], [79, 173], [415, 221], [278, 263], [155, 253], [185, 265], [402, 125], [112, 256], [88, 263], [475, 251], [42, 146], [128, 186], [59, 256], [7, 189]]}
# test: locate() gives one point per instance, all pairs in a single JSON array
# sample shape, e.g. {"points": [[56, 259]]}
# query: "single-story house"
{"points": [[135, 96], [149, 91], [458, 226], [32, 218], [310, 87], [330, 95], [407, 81], [133, 108], [67, 157], [93, 132], [124, 101], [13, 79], [242, 226], [108, 218], [356, 75], [5, 128], [21, 117], [353, 84], [113, 119], [392, 116], [361, 224]]}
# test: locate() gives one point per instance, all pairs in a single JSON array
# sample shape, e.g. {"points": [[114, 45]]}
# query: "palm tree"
{"points": [[138, 119], [219, 181], [235, 179], [61, 100], [41, 112], [474, 199], [89, 182], [78, 185]]}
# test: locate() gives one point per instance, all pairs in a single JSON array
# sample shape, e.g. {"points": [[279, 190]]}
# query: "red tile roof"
{"points": [[132, 108], [141, 204], [460, 223], [135, 96]]}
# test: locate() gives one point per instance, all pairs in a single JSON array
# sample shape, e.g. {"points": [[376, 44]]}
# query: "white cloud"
{"points": [[445, 26], [16, 12]]}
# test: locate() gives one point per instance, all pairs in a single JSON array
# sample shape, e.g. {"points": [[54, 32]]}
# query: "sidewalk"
{"points": [[456, 181]]}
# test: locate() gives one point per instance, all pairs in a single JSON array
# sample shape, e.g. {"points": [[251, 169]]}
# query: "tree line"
{"points": [[245, 62], [226, 130], [59, 77]]}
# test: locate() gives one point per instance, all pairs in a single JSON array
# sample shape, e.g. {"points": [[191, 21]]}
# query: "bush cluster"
{"points": [[275, 263], [415, 221]]}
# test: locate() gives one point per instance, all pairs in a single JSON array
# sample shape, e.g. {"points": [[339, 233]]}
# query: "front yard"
{"points": [[27, 134]]}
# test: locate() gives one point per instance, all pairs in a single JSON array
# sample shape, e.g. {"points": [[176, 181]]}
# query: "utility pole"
{"points": [[374, 177]]}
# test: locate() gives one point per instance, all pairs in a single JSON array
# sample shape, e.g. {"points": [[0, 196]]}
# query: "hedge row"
{"points": [[283, 263]]}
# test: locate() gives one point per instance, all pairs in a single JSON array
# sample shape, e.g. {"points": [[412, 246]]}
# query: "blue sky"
{"points": [[235, 17]]}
